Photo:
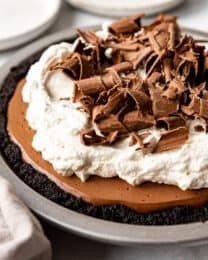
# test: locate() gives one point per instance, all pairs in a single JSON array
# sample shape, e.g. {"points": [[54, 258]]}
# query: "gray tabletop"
{"points": [[68, 246]]}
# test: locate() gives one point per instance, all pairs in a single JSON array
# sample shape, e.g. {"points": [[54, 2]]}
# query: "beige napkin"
{"points": [[21, 236]]}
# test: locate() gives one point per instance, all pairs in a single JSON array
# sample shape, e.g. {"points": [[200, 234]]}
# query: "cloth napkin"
{"points": [[21, 236]]}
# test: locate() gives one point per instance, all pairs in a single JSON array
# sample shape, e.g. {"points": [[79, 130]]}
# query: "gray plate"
{"points": [[188, 234]]}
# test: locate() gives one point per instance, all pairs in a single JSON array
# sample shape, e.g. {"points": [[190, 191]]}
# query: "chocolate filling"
{"points": [[100, 191]]}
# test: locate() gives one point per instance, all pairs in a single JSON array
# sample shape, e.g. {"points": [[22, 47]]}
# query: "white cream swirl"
{"points": [[58, 122]]}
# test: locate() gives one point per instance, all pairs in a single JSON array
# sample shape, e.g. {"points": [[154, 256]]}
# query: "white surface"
{"points": [[22, 20], [21, 236], [124, 7], [65, 246], [51, 117]]}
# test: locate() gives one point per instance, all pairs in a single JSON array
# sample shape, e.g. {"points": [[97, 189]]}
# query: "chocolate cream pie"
{"points": [[114, 125]]}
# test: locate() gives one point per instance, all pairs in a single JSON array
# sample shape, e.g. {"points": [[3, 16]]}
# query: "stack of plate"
{"points": [[21, 21], [124, 7]]}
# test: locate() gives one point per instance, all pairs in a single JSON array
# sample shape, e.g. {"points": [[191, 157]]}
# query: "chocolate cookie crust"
{"points": [[47, 188]]}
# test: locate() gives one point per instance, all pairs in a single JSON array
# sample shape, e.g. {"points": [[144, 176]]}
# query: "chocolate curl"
{"points": [[126, 46], [197, 90], [111, 79], [205, 94], [152, 62], [127, 56], [102, 98], [90, 86], [111, 124], [170, 92], [154, 43], [135, 121], [121, 67], [154, 77], [141, 55], [116, 56], [97, 58], [186, 72], [88, 36], [86, 103], [178, 85], [206, 62], [161, 19], [76, 65], [162, 106], [140, 138], [71, 64], [172, 30], [167, 65], [171, 122], [192, 58], [112, 137], [114, 104], [126, 25], [136, 139], [97, 113], [166, 18], [172, 139], [159, 38], [142, 101], [89, 137], [203, 108], [193, 107]]}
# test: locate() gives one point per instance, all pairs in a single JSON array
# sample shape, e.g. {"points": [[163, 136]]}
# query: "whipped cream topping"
{"points": [[58, 123], [65, 128]]}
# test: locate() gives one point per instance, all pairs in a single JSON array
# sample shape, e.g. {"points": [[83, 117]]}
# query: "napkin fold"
{"points": [[21, 236]]}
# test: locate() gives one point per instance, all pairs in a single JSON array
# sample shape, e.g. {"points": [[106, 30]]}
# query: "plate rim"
{"points": [[94, 228], [149, 9]]}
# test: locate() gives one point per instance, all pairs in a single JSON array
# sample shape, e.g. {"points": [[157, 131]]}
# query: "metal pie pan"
{"points": [[116, 233]]}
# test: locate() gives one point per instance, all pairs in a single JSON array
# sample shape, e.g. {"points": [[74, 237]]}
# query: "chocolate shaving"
{"points": [[172, 139], [154, 77], [142, 54], [171, 122], [86, 103], [141, 99], [76, 65], [121, 67], [89, 36], [90, 86], [203, 108], [162, 106], [136, 139], [167, 65], [126, 25], [111, 78], [111, 124], [89, 137], [114, 104], [134, 121]]}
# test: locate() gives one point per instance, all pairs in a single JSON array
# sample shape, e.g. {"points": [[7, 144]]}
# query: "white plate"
{"points": [[124, 7], [23, 20]]}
